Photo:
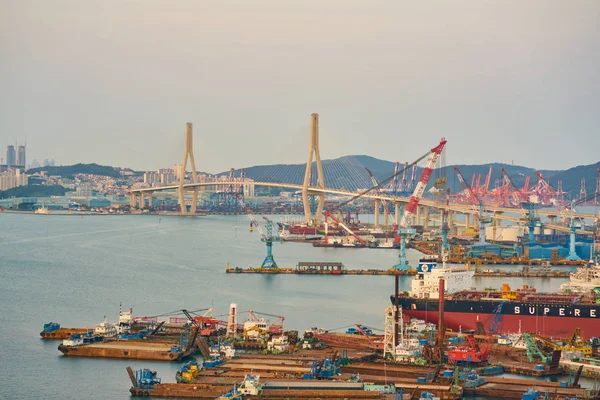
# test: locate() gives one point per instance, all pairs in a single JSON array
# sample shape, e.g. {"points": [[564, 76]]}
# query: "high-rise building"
{"points": [[10, 156], [21, 156], [178, 170], [167, 176], [151, 178]]}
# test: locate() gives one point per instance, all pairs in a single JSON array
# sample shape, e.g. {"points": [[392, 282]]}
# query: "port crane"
{"points": [[329, 216], [404, 229], [268, 238], [474, 352], [202, 346], [274, 327], [475, 200]]}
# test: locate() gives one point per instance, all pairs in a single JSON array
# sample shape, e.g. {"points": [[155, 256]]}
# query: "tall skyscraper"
{"points": [[10, 156], [21, 156]]}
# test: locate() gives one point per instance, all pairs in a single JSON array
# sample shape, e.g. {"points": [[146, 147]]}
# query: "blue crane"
{"points": [[268, 238]]}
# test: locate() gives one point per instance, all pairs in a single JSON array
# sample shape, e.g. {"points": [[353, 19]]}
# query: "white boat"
{"points": [[42, 210], [74, 340], [426, 283], [418, 325], [408, 350], [251, 385], [388, 244], [125, 321], [278, 343], [105, 329], [584, 280], [255, 327]]}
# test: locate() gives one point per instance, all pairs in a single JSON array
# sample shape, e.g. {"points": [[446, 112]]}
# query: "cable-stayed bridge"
{"points": [[345, 176]]}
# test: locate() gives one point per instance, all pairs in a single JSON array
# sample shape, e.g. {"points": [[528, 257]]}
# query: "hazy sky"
{"points": [[114, 82]]}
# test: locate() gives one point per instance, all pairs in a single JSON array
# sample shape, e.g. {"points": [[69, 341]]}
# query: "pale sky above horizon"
{"points": [[114, 82]]}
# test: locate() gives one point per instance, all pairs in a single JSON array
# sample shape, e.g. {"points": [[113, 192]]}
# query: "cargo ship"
{"points": [[547, 314]]}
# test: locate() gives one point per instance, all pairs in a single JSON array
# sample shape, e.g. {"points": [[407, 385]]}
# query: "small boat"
{"points": [[105, 329], [42, 210]]}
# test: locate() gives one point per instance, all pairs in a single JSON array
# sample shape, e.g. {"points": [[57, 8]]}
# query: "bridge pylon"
{"points": [[313, 148], [189, 152]]}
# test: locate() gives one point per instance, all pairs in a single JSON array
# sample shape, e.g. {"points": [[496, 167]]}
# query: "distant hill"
{"points": [[71, 170], [571, 178], [349, 172]]}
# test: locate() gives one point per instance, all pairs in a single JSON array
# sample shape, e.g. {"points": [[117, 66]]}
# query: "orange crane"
{"points": [[328, 216]]}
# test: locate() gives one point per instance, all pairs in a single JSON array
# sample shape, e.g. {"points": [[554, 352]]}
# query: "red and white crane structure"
{"points": [[404, 228]]}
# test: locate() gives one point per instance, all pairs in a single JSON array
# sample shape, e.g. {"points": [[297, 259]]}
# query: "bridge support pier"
{"points": [[150, 198], [142, 201], [132, 200], [418, 215], [396, 213], [385, 216], [426, 217], [189, 152], [467, 220], [377, 206], [313, 148]]}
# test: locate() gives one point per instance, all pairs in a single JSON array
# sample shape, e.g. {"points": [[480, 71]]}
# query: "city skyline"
{"points": [[502, 81]]}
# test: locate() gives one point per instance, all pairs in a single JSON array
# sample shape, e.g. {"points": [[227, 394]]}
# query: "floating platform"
{"points": [[514, 389], [189, 390], [129, 349], [64, 333]]}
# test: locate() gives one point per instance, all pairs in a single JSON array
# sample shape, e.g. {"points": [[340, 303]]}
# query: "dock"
{"points": [[330, 269]]}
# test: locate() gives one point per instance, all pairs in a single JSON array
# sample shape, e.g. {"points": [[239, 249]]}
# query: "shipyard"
{"points": [[300, 200], [442, 337]]}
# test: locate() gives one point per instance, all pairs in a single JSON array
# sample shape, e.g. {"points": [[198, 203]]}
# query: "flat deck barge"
{"points": [[514, 389], [129, 349]]}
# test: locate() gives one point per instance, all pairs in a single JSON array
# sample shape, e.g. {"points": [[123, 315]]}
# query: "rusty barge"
{"points": [[128, 349]]}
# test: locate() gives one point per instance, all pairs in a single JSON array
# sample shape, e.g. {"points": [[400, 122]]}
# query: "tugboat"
{"points": [[42, 210], [250, 386], [584, 280]]}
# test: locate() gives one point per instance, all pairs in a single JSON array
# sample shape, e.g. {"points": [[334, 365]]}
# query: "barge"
{"points": [[129, 349]]}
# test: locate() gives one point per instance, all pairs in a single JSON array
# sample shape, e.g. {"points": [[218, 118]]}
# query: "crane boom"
{"points": [[471, 197], [403, 182], [253, 220], [413, 175], [328, 215], [410, 209]]}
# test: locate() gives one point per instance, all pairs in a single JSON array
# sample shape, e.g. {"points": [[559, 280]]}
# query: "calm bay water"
{"points": [[75, 270]]}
